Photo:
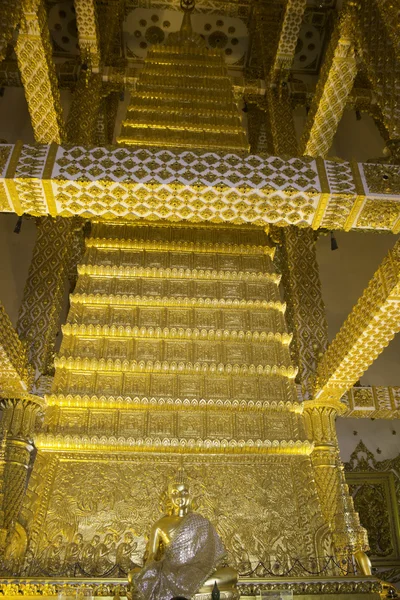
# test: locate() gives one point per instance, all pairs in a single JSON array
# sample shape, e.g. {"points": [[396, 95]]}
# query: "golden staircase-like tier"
{"points": [[184, 99], [165, 320]]}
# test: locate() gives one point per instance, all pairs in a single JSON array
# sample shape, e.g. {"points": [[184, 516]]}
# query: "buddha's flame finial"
{"points": [[186, 28]]}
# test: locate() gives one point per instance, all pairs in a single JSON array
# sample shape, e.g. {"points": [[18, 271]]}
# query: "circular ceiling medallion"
{"points": [[218, 39], [154, 35]]}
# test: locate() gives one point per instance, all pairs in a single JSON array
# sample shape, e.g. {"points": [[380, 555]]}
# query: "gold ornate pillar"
{"points": [[281, 122], [85, 109], [16, 428], [333, 89], [110, 15], [88, 31], [305, 307], [18, 411], [381, 60], [258, 125], [38, 321], [106, 119], [389, 12], [15, 373], [112, 103], [35, 62], [349, 537], [291, 23]]}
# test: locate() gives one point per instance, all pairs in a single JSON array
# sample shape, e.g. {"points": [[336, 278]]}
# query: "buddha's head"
{"points": [[179, 495]]}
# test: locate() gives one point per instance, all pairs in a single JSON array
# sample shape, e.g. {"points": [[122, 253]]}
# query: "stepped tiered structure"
{"points": [[176, 346], [175, 353], [184, 99]]}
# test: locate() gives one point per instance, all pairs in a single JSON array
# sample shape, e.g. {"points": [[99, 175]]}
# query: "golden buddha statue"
{"points": [[184, 555]]}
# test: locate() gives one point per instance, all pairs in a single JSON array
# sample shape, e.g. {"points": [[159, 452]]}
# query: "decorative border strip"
{"points": [[174, 445], [164, 302], [133, 366], [159, 273], [120, 402], [176, 333], [204, 247], [39, 586]]}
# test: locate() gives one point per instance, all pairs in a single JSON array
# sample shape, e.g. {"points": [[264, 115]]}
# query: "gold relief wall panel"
{"points": [[190, 425], [163, 385], [108, 384], [220, 425], [170, 312], [113, 496], [161, 423], [73, 421], [131, 423], [176, 235]]}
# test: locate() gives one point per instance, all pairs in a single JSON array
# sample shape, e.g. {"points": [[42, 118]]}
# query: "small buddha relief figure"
{"points": [[124, 553], [104, 555], [73, 555], [184, 554]]}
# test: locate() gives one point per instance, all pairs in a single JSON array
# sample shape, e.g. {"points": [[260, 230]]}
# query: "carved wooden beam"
{"points": [[115, 182], [333, 89], [372, 323], [35, 61]]}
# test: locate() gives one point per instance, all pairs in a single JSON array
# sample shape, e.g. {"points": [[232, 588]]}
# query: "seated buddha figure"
{"points": [[184, 555]]}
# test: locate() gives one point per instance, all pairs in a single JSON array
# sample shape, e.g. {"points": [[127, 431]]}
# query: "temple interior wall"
{"points": [[380, 436]]}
